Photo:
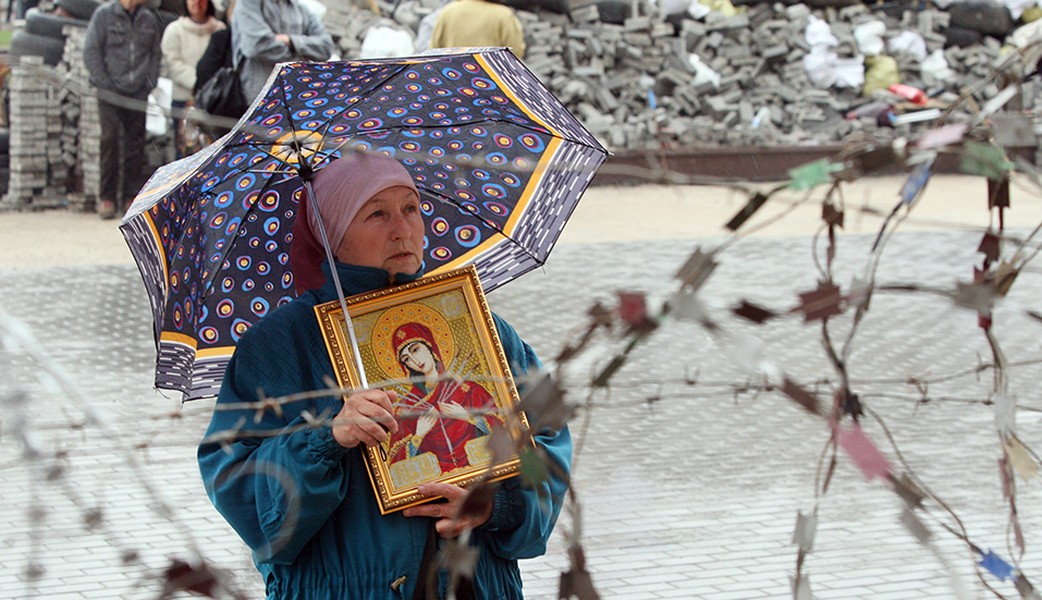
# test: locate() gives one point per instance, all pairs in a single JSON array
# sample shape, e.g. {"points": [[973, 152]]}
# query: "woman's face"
{"points": [[197, 9], [387, 233], [416, 356]]}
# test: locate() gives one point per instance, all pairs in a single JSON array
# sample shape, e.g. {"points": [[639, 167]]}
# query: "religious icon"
{"points": [[434, 343]]}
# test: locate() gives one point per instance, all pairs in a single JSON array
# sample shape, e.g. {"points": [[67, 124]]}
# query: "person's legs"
{"points": [[134, 158], [111, 131], [178, 107]]}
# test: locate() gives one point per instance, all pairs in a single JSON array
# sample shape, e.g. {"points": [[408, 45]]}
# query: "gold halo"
{"points": [[385, 326]]}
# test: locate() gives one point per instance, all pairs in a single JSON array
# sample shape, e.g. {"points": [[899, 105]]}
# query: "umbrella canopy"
{"points": [[499, 162]]}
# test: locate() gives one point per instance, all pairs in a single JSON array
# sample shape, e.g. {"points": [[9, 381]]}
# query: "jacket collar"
{"points": [[359, 280], [207, 27]]}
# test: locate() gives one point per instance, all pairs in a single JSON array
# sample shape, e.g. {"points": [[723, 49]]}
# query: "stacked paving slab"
{"points": [[38, 178], [56, 132], [81, 126]]}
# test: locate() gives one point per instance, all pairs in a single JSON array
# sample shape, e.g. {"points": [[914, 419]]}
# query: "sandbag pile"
{"points": [[644, 82]]}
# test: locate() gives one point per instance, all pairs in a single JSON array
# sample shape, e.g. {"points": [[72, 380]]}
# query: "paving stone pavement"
{"points": [[688, 487]]}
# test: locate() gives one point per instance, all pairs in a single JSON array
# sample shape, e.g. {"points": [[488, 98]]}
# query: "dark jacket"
{"points": [[305, 505], [121, 50], [218, 54]]}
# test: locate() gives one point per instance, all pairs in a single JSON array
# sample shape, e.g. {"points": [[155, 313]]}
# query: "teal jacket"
{"points": [[305, 505]]}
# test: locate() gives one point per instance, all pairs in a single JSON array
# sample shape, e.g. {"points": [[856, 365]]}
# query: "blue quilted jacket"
{"points": [[305, 505]]}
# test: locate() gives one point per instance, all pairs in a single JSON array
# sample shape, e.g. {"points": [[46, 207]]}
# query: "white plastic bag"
{"points": [[818, 33], [909, 42], [820, 66], [869, 37], [698, 11], [703, 72], [935, 69], [382, 41], [850, 72], [674, 7], [157, 114]]}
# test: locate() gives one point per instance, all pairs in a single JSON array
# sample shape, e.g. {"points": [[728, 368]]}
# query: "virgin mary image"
{"points": [[439, 414]]}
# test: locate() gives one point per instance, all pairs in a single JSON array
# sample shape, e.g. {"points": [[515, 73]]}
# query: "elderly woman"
{"points": [[300, 496]]}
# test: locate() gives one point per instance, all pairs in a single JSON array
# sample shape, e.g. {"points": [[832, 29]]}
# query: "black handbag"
{"points": [[221, 95]]}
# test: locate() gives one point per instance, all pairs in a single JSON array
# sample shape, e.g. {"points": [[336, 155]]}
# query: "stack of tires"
{"points": [[43, 32]]}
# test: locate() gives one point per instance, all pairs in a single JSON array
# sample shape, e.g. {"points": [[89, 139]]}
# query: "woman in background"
{"points": [[218, 52], [184, 42]]}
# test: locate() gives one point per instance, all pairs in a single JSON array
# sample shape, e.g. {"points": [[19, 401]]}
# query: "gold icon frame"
{"points": [[464, 342]]}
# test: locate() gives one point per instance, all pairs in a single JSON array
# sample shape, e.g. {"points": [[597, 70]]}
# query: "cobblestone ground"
{"points": [[689, 487]]}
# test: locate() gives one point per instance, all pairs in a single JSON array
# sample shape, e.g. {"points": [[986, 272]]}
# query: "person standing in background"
{"points": [[267, 32], [218, 52], [478, 23], [184, 42], [122, 55]]}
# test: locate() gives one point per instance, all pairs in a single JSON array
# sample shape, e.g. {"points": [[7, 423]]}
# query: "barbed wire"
{"points": [[628, 332]]}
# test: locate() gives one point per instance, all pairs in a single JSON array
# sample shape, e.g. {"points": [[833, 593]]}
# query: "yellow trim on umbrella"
{"points": [[162, 255], [172, 337], [216, 352], [519, 208], [178, 338], [506, 90], [533, 183]]}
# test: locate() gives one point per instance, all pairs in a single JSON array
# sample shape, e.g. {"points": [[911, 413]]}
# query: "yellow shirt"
{"points": [[478, 23]]}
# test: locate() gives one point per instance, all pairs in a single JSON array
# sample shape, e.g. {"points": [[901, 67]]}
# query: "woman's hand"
{"points": [[367, 417], [450, 523]]}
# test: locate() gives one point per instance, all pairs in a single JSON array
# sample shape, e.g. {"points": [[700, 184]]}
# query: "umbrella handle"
{"points": [[363, 381]]}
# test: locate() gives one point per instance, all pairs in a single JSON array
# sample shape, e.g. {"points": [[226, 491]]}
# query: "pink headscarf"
{"points": [[342, 187]]}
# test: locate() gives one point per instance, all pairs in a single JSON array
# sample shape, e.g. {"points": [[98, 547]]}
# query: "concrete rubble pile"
{"points": [[637, 85], [38, 177]]}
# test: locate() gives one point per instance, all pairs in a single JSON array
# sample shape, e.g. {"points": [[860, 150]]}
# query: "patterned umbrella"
{"points": [[499, 162]]}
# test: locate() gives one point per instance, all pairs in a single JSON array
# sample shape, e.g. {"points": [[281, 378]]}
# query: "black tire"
{"points": [[985, 16], [831, 3], [81, 9], [24, 43], [895, 10], [49, 25], [614, 11], [23, 6], [561, 7], [961, 37]]}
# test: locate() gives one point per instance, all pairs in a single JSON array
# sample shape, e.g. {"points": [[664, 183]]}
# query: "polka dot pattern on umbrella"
{"points": [[476, 131]]}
